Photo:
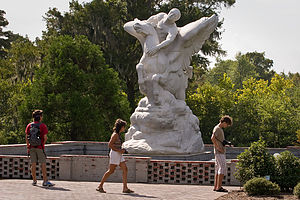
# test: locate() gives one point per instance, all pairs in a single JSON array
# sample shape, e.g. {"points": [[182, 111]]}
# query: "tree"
{"points": [[4, 35], [259, 108], [222, 67], [266, 104], [265, 110], [243, 71], [279, 118], [209, 103], [262, 65], [11, 97], [245, 66], [246, 128], [25, 58], [102, 22], [79, 93], [16, 68]]}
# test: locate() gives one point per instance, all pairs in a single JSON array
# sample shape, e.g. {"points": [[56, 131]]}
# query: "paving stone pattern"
{"points": [[21, 189]]}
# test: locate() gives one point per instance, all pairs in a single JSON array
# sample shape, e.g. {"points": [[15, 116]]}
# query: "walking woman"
{"points": [[116, 157]]}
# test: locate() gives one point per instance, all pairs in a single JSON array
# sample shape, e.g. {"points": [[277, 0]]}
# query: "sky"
{"points": [[270, 26]]}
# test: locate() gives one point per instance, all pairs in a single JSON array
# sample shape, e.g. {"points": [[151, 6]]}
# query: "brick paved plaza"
{"points": [[20, 189]]}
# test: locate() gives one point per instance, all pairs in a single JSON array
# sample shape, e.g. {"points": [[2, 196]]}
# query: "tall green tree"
{"points": [[260, 108], [4, 35], [79, 93], [245, 66], [209, 103], [243, 71], [24, 55], [247, 121], [102, 22], [11, 97], [262, 65], [16, 68], [279, 114], [265, 110]]}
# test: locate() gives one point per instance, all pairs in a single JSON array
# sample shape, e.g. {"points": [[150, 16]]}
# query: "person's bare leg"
{"points": [[216, 181], [33, 171], [44, 172], [220, 179], [110, 171], [125, 171]]}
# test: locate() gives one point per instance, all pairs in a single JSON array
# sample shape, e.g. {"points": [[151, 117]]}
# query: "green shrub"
{"points": [[287, 170], [255, 162], [261, 186], [297, 190]]}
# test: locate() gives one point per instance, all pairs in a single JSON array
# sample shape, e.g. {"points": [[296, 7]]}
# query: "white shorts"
{"points": [[220, 167], [115, 158]]}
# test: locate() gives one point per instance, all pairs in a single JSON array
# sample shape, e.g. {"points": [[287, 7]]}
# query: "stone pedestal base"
{"points": [[163, 130]]}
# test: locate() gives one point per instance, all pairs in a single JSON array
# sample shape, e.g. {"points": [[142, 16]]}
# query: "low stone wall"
{"points": [[88, 161], [92, 168], [188, 172], [19, 167], [140, 169]]}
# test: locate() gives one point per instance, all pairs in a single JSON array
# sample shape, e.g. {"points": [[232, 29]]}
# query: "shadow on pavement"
{"points": [[140, 195], [54, 188], [134, 195]]}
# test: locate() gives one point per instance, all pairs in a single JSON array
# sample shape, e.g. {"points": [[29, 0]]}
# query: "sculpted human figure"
{"points": [[165, 27], [165, 33]]}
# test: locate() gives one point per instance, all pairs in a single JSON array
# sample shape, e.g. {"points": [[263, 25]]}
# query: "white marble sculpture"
{"points": [[163, 123]]}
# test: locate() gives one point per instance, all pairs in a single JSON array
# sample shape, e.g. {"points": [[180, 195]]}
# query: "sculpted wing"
{"points": [[193, 36]]}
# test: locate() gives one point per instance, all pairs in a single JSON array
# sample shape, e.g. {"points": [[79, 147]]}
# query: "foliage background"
{"points": [[82, 74]]}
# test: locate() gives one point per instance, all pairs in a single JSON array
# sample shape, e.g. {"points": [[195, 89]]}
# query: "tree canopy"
{"points": [[4, 35], [260, 107], [79, 93], [82, 74], [102, 22]]}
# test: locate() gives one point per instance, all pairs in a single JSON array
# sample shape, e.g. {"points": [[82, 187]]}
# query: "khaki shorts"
{"points": [[220, 166], [37, 155]]}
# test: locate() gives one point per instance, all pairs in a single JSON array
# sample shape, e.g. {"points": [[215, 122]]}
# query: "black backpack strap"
{"points": [[38, 124]]}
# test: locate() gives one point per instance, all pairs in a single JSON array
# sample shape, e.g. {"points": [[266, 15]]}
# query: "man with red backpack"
{"points": [[36, 137]]}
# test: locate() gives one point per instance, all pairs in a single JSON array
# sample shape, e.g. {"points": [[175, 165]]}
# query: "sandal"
{"points": [[100, 189], [221, 190], [128, 191]]}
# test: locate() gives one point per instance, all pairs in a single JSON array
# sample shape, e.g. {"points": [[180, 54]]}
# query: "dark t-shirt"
{"points": [[43, 132]]}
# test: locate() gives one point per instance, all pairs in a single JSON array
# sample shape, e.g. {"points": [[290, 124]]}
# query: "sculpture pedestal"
{"points": [[163, 130]]}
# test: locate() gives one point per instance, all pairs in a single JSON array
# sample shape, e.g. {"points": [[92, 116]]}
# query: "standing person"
{"points": [[219, 142], [115, 156], [36, 137]]}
